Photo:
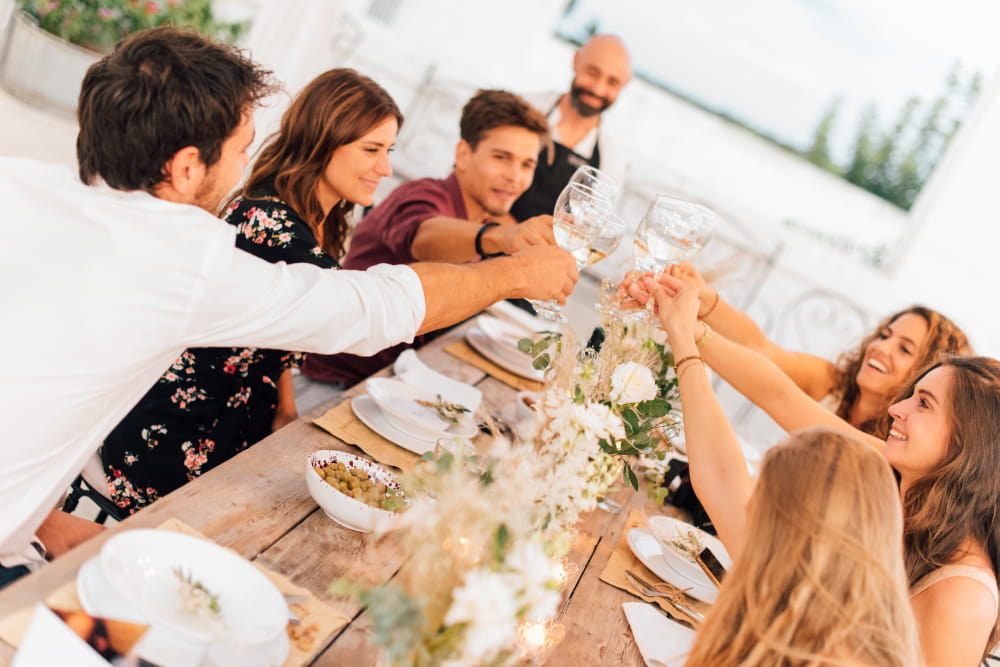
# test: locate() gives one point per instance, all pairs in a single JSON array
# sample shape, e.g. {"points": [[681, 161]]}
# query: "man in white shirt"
{"points": [[601, 68], [108, 280]]}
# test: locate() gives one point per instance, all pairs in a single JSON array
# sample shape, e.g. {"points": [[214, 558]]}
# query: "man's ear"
{"points": [[462, 153], [184, 175]]}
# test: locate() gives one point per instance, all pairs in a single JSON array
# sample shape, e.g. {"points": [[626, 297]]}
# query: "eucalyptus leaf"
{"points": [[525, 345], [541, 363]]}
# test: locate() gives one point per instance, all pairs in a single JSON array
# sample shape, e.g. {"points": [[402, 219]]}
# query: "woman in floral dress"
{"points": [[329, 154]]}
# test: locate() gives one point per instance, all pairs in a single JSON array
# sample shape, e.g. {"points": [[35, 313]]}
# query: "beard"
{"points": [[584, 109]]}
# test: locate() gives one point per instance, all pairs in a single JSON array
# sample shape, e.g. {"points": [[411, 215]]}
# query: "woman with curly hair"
{"points": [[943, 443], [330, 153], [860, 386]]}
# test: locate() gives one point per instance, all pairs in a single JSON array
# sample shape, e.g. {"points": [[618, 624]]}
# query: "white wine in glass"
{"points": [[579, 216]]}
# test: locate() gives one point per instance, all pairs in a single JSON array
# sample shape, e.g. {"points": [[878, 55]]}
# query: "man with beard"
{"points": [[601, 68], [462, 218]]}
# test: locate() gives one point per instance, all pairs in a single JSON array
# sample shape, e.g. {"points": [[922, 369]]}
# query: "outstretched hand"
{"points": [[676, 303]]}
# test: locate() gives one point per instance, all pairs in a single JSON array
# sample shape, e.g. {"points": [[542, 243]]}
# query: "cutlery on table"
{"points": [[675, 596]]}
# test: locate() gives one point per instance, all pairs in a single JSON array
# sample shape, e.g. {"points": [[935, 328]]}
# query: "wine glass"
{"points": [[672, 231], [596, 180], [580, 215]]}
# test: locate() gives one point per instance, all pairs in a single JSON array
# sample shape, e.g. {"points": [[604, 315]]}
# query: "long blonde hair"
{"points": [[820, 580]]}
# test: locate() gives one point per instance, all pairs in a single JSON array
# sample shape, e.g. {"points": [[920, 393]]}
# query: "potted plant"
{"points": [[51, 43]]}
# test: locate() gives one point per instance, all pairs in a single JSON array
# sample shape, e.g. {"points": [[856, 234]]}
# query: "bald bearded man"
{"points": [[601, 69]]}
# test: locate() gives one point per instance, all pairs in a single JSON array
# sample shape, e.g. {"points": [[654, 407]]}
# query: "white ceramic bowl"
{"points": [[342, 508]]}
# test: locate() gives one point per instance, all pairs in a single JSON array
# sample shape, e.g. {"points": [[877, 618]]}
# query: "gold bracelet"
{"points": [[710, 308], [706, 335], [683, 360]]}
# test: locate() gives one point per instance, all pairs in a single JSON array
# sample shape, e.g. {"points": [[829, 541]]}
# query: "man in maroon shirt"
{"points": [[462, 218]]}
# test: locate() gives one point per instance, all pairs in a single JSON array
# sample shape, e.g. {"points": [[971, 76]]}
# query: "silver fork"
{"points": [[646, 589]]}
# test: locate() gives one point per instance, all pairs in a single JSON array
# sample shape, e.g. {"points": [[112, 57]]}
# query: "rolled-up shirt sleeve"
{"points": [[305, 308]]}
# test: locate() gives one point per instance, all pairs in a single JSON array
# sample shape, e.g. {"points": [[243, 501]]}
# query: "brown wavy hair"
{"points": [[159, 91], [336, 108], [960, 498], [490, 109], [943, 337], [820, 580]]}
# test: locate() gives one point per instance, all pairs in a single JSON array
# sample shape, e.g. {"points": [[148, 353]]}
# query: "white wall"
{"points": [[950, 257]]}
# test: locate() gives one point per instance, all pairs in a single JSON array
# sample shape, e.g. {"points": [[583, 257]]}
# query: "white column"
{"points": [[293, 39]]}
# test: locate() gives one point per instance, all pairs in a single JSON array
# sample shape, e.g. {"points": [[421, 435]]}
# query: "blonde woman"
{"points": [[943, 442], [819, 581]]}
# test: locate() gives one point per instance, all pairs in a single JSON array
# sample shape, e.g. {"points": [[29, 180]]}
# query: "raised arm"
{"points": [[718, 470], [814, 375], [761, 381], [442, 239]]}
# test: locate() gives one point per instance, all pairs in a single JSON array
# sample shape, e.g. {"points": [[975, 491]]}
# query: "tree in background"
{"points": [[895, 162]]}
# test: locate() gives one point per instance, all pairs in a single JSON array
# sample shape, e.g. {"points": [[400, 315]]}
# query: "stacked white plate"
{"points": [[497, 339], [652, 546], [402, 409], [133, 579]]}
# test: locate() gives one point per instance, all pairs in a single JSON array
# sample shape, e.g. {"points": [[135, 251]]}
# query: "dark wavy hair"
{"points": [[943, 337], [489, 109], [159, 91], [336, 108], [960, 497]]}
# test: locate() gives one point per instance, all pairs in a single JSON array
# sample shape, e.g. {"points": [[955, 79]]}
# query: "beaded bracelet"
{"points": [[708, 312], [683, 360]]}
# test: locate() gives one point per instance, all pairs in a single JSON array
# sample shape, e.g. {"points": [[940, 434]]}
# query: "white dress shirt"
{"points": [[102, 290]]}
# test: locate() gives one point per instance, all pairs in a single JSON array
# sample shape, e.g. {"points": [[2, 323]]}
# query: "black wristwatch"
{"points": [[479, 241]]}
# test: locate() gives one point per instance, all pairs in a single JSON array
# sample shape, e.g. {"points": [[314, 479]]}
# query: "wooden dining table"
{"points": [[257, 504]]}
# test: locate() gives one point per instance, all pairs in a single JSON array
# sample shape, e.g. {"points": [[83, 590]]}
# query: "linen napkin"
{"points": [[411, 370], [660, 640], [341, 423], [461, 350], [318, 621], [623, 559], [520, 317]]}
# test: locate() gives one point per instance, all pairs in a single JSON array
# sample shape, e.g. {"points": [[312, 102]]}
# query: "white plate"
{"points": [[160, 645], [649, 551], [369, 414], [99, 598], [140, 565], [515, 361], [398, 402], [665, 528]]}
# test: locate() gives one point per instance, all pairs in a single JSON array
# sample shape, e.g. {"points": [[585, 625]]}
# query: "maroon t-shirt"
{"points": [[385, 236]]}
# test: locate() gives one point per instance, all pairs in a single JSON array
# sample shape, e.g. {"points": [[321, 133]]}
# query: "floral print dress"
{"points": [[212, 403]]}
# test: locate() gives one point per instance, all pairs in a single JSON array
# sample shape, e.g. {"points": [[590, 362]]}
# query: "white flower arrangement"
{"points": [[483, 533]]}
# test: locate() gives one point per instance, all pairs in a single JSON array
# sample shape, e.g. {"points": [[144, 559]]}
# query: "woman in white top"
{"points": [[863, 382], [943, 443]]}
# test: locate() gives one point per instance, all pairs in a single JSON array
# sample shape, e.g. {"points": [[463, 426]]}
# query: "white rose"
{"points": [[632, 383]]}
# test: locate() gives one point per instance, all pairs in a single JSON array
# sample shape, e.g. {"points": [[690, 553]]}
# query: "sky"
{"points": [[778, 64]]}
